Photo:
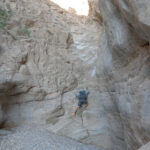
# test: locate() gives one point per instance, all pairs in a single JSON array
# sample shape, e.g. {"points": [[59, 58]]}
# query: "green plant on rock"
{"points": [[24, 31], [5, 16]]}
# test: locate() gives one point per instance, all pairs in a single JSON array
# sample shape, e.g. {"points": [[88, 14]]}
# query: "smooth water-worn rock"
{"points": [[40, 139], [126, 63], [145, 147]]}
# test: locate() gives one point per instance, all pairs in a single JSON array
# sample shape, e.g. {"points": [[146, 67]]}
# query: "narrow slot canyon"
{"points": [[51, 50]]}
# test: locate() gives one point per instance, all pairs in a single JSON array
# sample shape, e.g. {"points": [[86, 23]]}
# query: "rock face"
{"points": [[126, 63], [56, 53]]}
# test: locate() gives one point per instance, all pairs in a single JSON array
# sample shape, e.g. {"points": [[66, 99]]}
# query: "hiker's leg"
{"points": [[86, 105], [76, 111], [78, 107]]}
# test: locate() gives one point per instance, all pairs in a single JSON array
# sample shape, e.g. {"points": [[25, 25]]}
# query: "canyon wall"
{"points": [[126, 62]]}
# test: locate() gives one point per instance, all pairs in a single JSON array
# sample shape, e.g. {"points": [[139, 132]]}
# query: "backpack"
{"points": [[82, 95]]}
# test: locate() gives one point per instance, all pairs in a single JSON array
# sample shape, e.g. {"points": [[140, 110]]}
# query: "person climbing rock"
{"points": [[82, 96]]}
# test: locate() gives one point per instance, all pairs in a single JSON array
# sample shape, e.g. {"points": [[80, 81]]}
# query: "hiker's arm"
{"points": [[77, 95], [87, 91]]}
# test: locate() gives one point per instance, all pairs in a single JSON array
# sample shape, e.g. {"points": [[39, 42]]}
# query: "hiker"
{"points": [[82, 97]]}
